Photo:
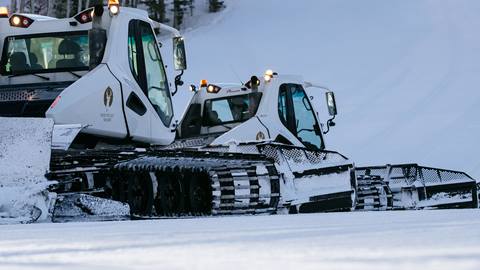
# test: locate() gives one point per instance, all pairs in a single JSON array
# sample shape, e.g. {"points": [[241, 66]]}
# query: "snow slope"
{"points": [[381, 240], [405, 72]]}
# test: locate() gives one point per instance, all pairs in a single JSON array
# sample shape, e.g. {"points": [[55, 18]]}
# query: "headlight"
{"points": [[114, 7]]}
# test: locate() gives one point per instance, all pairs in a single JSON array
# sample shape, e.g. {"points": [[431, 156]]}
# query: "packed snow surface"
{"points": [[448, 239], [405, 73]]}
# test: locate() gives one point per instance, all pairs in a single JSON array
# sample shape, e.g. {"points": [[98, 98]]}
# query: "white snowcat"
{"points": [[87, 129]]}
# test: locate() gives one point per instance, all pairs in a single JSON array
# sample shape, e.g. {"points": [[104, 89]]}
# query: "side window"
{"points": [[147, 67], [282, 105], [297, 115], [285, 110], [132, 50], [223, 110]]}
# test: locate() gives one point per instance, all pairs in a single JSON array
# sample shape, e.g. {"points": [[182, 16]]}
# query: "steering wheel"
{"points": [[305, 130], [156, 88]]}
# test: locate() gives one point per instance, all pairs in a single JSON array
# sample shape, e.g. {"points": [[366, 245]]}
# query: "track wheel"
{"points": [[140, 195], [170, 197], [199, 196]]}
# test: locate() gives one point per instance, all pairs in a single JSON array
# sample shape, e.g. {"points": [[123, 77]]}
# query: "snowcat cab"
{"points": [[100, 70], [274, 110]]}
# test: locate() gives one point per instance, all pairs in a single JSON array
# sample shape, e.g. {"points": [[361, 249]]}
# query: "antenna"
{"points": [[236, 74]]}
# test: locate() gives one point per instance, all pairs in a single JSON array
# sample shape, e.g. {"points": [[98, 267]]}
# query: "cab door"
{"points": [[298, 116], [148, 107]]}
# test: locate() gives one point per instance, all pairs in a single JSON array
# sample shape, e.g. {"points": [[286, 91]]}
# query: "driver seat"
{"points": [[69, 47], [213, 118], [18, 62]]}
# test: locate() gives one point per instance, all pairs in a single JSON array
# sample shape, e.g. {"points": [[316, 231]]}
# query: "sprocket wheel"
{"points": [[199, 196], [170, 200], [140, 195]]}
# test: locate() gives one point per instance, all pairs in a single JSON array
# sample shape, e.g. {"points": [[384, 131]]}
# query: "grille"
{"points": [[16, 95], [279, 153], [300, 155]]}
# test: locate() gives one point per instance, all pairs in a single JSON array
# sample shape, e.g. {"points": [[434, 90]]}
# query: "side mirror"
{"points": [[332, 110], [332, 105], [179, 54]]}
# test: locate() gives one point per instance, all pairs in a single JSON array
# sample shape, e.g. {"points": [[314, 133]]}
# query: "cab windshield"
{"points": [[230, 110], [45, 53]]}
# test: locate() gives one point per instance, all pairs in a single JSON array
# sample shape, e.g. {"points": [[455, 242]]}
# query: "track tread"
{"points": [[234, 179]]}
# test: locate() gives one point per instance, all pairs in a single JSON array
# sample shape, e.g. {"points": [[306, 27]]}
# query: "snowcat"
{"points": [[87, 129]]}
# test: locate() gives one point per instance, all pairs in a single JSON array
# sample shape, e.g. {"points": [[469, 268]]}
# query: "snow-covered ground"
{"points": [[375, 240], [405, 72]]}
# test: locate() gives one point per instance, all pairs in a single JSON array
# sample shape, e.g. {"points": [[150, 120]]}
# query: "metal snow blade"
{"points": [[416, 187]]}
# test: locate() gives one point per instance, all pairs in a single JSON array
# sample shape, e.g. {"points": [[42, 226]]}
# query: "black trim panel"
{"points": [[135, 104]]}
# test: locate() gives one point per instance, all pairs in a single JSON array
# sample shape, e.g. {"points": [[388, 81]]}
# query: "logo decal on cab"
{"points": [[108, 97]]}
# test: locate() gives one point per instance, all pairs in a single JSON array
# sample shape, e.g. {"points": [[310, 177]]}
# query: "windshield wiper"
{"points": [[75, 74], [227, 127], [33, 74]]}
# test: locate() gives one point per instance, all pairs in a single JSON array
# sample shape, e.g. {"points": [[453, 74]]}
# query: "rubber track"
{"points": [[234, 178], [234, 181]]}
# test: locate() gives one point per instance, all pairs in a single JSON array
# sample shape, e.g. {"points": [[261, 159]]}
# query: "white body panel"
{"points": [[247, 132], [84, 103]]}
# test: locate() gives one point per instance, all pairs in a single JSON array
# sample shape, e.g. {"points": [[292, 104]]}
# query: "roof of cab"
{"points": [[35, 17]]}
